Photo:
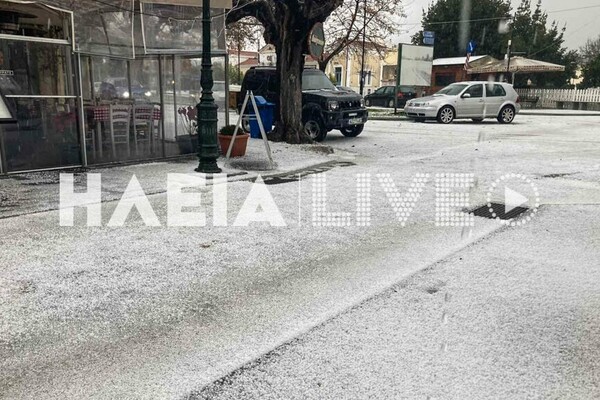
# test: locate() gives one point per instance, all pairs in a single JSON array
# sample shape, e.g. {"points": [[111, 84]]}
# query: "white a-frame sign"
{"points": [[250, 96]]}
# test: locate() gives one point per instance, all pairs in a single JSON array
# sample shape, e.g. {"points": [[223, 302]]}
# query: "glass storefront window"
{"points": [[123, 120], [138, 99], [37, 81], [104, 28], [35, 20], [31, 68], [176, 27], [46, 135]]}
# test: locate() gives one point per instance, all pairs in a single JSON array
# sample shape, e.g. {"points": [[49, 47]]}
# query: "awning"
{"points": [[517, 65]]}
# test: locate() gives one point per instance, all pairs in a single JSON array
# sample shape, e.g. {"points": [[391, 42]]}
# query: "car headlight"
{"points": [[362, 102], [126, 94], [148, 93], [333, 106]]}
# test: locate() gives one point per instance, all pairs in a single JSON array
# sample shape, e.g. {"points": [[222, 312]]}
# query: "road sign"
{"points": [[429, 41], [316, 41], [471, 47], [428, 34]]}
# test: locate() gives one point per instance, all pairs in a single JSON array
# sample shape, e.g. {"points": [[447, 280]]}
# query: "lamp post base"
{"points": [[208, 146], [208, 167]]}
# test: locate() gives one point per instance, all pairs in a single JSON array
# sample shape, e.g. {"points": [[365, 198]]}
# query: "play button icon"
{"points": [[513, 199], [514, 208]]}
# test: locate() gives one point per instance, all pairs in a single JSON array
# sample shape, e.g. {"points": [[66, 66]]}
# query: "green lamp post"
{"points": [[208, 147]]}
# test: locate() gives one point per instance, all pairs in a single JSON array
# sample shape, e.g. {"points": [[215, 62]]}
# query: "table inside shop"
{"points": [[101, 113]]}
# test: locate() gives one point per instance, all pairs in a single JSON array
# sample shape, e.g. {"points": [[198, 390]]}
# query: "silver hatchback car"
{"points": [[474, 100]]}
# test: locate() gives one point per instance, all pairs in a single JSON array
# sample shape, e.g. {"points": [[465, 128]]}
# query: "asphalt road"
{"points": [[384, 311]]}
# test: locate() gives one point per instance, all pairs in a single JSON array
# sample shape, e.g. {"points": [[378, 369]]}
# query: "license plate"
{"points": [[355, 121]]}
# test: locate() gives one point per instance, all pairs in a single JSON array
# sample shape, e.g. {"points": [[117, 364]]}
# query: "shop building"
{"points": [[95, 82]]}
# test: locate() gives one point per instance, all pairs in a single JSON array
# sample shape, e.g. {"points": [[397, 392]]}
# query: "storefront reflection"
{"points": [[46, 134]]}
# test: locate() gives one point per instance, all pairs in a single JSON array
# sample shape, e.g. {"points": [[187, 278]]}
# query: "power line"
{"points": [[572, 9]]}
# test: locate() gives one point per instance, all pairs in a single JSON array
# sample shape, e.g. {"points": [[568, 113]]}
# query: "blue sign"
{"points": [[428, 38], [471, 47]]}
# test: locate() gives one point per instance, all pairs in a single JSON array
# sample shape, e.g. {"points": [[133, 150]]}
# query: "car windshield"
{"points": [[452, 90], [316, 81]]}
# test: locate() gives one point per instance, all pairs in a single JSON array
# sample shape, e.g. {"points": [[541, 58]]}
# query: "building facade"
{"points": [[449, 70], [95, 82], [345, 69]]}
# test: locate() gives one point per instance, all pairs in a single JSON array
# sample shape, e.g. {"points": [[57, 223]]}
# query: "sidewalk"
{"points": [[387, 114], [560, 113], [38, 191], [495, 320]]}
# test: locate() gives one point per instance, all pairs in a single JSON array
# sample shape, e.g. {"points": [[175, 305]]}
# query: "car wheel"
{"points": [[391, 104], [368, 102], [477, 119], [507, 115], [446, 115], [315, 128], [353, 131]]}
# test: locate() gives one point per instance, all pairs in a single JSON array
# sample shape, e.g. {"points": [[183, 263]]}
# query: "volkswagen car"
{"points": [[467, 100]]}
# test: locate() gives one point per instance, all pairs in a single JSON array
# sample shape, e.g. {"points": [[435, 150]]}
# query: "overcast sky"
{"points": [[581, 24]]}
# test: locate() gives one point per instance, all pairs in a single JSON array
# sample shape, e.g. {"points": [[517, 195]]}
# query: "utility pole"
{"points": [[208, 146], [508, 55], [362, 63]]}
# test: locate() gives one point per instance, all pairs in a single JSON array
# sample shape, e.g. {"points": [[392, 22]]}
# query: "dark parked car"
{"points": [[112, 88], [324, 107], [384, 96]]}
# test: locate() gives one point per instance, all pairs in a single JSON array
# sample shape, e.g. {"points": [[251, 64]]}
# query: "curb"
{"points": [[561, 114]]}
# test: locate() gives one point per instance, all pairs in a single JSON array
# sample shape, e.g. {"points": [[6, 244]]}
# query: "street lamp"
{"points": [[208, 148]]}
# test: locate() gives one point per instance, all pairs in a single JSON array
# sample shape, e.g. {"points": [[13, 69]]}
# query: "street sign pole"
{"points": [[397, 83]]}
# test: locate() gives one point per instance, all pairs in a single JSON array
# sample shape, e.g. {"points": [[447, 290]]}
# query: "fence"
{"points": [[577, 99]]}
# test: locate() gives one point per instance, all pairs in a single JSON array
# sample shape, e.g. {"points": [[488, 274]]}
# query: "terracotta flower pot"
{"points": [[239, 146]]}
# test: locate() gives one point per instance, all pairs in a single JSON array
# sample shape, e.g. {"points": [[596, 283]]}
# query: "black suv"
{"points": [[324, 107]]}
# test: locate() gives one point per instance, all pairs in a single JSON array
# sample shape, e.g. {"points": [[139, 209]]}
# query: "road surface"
{"points": [[379, 311]]}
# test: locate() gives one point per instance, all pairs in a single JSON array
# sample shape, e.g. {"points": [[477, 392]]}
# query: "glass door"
{"points": [[36, 77], [38, 81]]}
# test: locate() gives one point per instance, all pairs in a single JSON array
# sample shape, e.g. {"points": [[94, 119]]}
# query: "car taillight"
{"points": [[518, 99], [400, 95]]}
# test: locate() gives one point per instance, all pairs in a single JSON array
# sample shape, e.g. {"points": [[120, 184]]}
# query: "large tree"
{"points": [[344, 28], [591, 73], [240, 35], [531, 33], [589, 56], [590, 50], [287, 25], [536, 38], [446, 18]]}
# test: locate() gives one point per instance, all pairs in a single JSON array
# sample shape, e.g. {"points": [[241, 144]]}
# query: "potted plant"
{"points": [[188, 142], [240, 143]]}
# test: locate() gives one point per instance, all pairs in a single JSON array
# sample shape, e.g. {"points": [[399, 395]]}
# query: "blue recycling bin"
{"points": [[266, 111]]}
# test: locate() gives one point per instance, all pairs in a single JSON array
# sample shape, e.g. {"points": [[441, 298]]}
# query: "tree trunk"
{"points": [[323, 64], [290, 64]]}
